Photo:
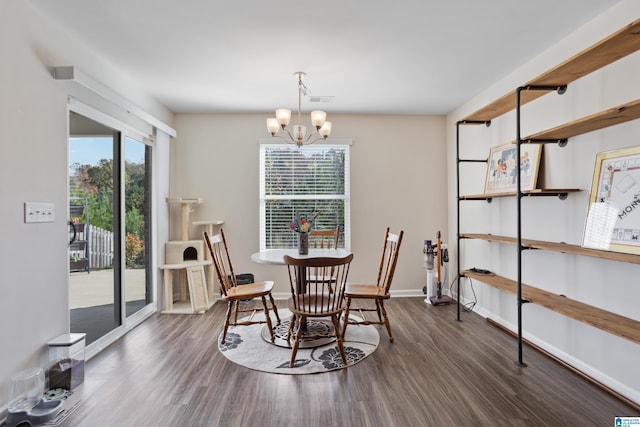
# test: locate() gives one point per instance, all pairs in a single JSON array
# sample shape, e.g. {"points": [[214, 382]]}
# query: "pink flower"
{"points": [[302, 224]]}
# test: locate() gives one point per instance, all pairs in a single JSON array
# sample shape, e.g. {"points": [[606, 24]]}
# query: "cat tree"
{"points": [[188, 259]]}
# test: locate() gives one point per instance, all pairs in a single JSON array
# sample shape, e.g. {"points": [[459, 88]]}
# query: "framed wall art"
{"points": [[613, 217], [501, 168]]}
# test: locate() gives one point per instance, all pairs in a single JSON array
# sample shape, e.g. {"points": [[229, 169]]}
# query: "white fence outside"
{"points": [[100, 247]]}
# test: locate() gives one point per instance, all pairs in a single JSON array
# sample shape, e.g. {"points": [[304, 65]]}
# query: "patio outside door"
{"points": [[109, 215], [137, 192]]}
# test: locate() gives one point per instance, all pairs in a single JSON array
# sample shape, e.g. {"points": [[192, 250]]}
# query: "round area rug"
{"points": [[245, 346]]}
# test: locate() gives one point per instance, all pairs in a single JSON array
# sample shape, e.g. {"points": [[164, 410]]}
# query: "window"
{"points": [[295, 181]]}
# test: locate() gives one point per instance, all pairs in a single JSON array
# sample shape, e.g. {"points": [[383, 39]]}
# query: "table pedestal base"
{"points": [[322, 332]]}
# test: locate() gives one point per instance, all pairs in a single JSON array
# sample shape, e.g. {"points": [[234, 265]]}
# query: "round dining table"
{"points": [[276, 257]]}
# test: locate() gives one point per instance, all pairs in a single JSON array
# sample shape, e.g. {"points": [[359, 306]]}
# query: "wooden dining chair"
{"points": [[325, 238], [316, 299], [377, 292], [234, 294]]}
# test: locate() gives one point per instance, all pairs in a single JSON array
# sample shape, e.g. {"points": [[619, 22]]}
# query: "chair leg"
{"points": [[296, 342], [346, 316], [336, 327], [226, 321], [292, 324], [386, 319], [268, 319], [378, 310], [275, 309], [236, 304]]}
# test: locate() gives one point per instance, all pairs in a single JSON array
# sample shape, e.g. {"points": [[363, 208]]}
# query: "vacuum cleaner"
{"points": [[439, 298]]}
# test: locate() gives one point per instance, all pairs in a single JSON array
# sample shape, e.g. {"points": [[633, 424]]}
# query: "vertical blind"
{"points": [[296, 181]]}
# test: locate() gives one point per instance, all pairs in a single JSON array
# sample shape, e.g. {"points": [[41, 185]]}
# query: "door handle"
{"points": [[73, 226]]}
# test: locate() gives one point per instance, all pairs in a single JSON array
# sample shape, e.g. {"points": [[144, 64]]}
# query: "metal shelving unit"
{"points": [[612, 48]]}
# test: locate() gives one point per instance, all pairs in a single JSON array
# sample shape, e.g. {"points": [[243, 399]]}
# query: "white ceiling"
{"points": [[374, 57]]}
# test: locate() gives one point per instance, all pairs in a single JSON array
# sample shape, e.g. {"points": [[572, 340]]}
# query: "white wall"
{"points": [[397, 173], [34, 297], [610, 285]]}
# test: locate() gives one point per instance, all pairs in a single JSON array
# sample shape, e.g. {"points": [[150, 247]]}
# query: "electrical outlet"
{"points": [[39, 212]]}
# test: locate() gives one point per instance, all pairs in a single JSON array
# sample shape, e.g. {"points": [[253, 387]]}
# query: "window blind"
{"points": [[296, 181]]}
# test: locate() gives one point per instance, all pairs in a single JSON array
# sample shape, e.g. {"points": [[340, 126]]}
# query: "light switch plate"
{"points": [[39, 212]]}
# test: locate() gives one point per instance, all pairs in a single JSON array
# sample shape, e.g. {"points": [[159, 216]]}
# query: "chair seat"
{"points": [[364, 291], [251, 290], [319, 307]]}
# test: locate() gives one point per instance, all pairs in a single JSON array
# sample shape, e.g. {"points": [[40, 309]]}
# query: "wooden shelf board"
{"points": [[536, 192], [489, 238], [613, 116], [558, 247], [616, 46], [612, 323], [503, 105]]}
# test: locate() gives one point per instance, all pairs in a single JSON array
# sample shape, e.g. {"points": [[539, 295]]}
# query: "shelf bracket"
{"points": [[473, 160], [487, 123], [562, 142], [561, 89]]}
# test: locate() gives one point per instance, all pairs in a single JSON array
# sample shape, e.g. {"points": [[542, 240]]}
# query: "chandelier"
{"points": [[299, 134]]}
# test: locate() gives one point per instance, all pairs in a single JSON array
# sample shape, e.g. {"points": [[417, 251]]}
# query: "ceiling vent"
{"points": [[321, 98]]}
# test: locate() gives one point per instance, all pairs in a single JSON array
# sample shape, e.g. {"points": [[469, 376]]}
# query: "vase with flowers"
{"points": [[303, 225]]}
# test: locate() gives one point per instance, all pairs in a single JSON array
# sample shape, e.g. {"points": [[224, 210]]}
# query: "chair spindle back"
{"points": [[389, 259], [325, 292], [219, 251], [325, 238]]}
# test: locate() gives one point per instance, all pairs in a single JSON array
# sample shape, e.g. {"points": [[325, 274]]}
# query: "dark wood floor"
{"points": [[438, 372]]}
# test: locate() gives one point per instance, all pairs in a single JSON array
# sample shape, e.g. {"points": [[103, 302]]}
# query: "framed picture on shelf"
{"points": [[613, 217], [501, 168]]}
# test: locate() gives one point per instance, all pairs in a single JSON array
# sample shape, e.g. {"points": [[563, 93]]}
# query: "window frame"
{"points": [[263, 198]]}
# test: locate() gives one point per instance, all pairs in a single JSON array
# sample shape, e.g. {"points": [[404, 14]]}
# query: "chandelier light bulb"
{"points": [[283, 116], [325, 130], [318, 118], [273, 126]]}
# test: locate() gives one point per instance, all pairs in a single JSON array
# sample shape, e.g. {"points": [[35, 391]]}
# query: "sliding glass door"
{"points": [[137, 196], [93, 243], [109, 226]]}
